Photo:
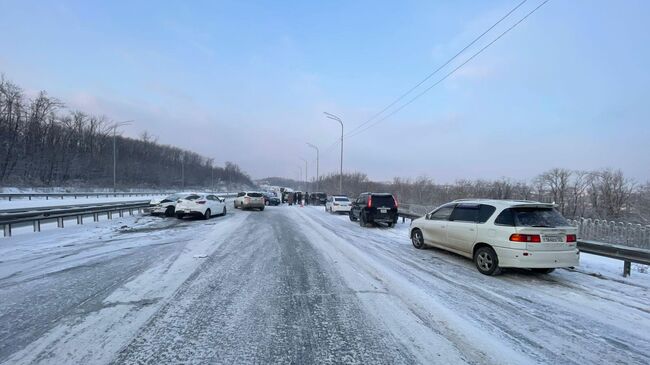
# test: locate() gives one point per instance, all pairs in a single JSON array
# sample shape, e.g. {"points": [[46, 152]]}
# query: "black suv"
{"points": [[374, 208], [317, 198]]}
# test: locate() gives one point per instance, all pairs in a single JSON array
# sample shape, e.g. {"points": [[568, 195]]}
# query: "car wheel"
{"points": [[543, 271], [266, 202], [179, 216], [224, 211], [352, 217], [169, 212], [261, 209], [486, 261], [390, 225], [362, 219], [206, 215], [417, 239]]}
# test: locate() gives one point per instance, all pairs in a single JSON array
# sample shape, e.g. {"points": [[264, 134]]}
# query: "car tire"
{"points": [[224, 211], [390, 225], [261, 209], [266, 202], [417, 239], [207, 214], [352, 217], [486, 261], [543, 271], [362, 219], [169, 212], [179, 216]]}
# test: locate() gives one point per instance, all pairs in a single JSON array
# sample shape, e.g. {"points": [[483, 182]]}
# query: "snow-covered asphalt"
{"points": [[297, 285]]}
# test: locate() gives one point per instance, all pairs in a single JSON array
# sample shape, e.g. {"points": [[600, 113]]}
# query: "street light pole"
{"points": [[306, 174], [334, 117], [115, 125], [317, 165]]}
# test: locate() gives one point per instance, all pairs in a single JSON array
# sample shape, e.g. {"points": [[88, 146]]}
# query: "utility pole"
{"points": [[317, 165], [115, 125], [183, 171], [334, 117]]}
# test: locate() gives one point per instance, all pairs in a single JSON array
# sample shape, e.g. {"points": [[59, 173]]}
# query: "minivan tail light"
{"points": [[534, 238], [200, 202], [571, 238], [369, 201]]}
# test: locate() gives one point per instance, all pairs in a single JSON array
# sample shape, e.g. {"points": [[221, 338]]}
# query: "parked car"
{"points": [[500, 233], [271, 199], [317, 198], [202, 205], [249, 200], [167, 205], [374, 208], [336, 204]]}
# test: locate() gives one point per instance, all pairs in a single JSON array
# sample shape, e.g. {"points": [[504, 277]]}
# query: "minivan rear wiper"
{"points": [[542, 226]]}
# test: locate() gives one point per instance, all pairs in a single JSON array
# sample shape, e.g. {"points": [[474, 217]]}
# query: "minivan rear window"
{"points": [[255, 195], [192, 197], [341, 200], [383, 201], [531, 217], [241, 194]]}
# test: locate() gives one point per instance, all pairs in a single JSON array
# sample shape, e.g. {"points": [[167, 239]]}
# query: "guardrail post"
{"points": [[7, 230], [59, 222], [37, 225], [80, 219], [95, 217], [120, 213], [130, 211], [627, 266], [109, 215]]}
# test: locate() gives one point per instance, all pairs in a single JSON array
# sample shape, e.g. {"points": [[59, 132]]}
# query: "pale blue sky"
{"points": [[248, 81]]}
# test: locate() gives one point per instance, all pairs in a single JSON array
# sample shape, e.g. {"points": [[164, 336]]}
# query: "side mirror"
{"points": [[428, 216]]}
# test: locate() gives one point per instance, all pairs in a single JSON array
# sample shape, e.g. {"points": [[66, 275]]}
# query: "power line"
{"points": [[437, 69], [450, 73]]}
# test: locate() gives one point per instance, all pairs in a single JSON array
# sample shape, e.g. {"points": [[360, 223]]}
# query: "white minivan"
{"points": [[500, 233]]}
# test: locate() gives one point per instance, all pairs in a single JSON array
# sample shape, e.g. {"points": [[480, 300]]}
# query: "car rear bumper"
{"points": [[251, 205], [341, 208], [537, 259]]}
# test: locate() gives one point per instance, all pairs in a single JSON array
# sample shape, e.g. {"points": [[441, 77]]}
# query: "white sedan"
{"points": [[202, 205], [335, 204]]}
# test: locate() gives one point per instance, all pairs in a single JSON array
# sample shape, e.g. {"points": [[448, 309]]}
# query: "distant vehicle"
{"points": [[202, 205], [249, 200], [374, 208], [317, 198], [167, 205], [271, 199], [336, 204], [500, 233]]}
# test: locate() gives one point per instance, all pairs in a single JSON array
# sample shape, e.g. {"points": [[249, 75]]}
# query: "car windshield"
{"points": [[383, 201], [539, 217], [255, 195]]}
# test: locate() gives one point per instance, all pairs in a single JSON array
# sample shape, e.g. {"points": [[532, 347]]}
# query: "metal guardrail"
{"points": [[35, 216], [47, 196], [627, 254]]}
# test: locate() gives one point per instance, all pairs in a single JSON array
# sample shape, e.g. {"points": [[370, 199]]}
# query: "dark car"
{"points": [[317, 198], [374, 208], [271, 199]]}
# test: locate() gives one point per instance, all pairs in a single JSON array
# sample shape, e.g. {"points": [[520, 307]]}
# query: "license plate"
{"points": [[383, 211], [556, 239]]}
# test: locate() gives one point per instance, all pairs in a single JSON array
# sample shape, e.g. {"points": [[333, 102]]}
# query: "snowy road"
{"points": [[297, 285]]}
